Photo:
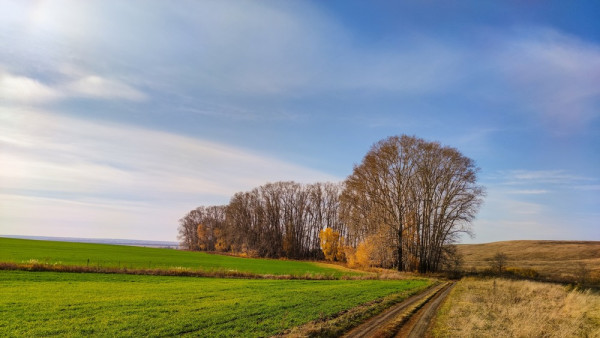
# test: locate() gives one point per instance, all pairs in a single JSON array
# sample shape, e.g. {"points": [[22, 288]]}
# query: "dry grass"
{"points": [[34, 265], [507, 308], [555, 260], [176, 271]]}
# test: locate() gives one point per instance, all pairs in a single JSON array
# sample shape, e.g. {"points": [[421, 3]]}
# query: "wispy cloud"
{"points": [[58, 153], [21, 89], [537, 204], [553, 74], [231, 112], [532, 214], [532, 177], [529, 192], [90, 165], [98, 87], [301, 51], [46, 216]]}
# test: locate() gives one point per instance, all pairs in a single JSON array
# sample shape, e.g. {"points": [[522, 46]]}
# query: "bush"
{"points": [[522, 272]]}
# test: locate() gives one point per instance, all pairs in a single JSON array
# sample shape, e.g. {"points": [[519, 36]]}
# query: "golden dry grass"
{"points": [[559, 260], [508, 308]]}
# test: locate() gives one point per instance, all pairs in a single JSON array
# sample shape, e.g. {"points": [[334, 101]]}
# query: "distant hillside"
{"points": [[555, 259]]}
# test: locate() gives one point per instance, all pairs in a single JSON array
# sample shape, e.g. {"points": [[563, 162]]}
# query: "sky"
{"points": [[118, 117]]}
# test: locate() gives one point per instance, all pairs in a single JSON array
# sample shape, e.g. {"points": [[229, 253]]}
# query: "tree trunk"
{"points": [[400, 266]]}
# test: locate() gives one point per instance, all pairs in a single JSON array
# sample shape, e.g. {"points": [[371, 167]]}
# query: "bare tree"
{"points": [[498, 262], [453, 261], [424, 193], [281, 219], [197, 228]]}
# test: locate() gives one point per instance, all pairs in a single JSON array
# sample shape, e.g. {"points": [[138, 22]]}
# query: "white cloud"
{"points": [[240, 48], [295, 49], [74, 164], [25, 90], [21, 89]]}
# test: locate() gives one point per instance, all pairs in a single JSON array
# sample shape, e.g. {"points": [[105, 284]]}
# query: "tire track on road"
{"points": [[401, 315]]}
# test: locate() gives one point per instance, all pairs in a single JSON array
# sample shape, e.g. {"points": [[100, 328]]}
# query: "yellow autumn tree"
{"points": [[360, 256], [372, 251], [363, 254], [221, 243], [331, 244], [202, 234], [350, 254]]}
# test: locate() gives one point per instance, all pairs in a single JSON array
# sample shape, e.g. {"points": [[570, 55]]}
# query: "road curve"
{"points": [[379, 326]]}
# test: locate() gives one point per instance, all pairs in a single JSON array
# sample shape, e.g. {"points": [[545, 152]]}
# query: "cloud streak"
{"points": [[21, 89], [18, 89], [551, 74], [553, 177], [65, 160], [537, 204]]}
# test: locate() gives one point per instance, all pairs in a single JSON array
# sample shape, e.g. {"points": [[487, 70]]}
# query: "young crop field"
{"points": [[70, 304], [131, 257]]}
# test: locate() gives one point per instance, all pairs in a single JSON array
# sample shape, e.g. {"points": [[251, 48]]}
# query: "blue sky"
{"points": [[118, 117]]}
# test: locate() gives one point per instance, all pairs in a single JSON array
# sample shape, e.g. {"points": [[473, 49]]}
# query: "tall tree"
{"points": [[424, 193]]}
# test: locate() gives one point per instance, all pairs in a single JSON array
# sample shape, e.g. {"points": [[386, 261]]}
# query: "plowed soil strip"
{"points": [[372, 326]]}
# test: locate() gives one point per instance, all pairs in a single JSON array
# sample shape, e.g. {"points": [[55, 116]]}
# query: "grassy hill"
{"points": [[553, 259], [117, 256]]}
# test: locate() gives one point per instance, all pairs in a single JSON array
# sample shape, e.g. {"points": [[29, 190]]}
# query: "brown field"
{"points": [[508, 308], [557, 260]]}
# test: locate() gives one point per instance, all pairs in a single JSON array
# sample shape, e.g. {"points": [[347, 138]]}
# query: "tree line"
{"points": [[281, 219], [401, 207]]}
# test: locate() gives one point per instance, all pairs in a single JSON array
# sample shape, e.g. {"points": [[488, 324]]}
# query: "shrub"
{"points": [[522, 272]]}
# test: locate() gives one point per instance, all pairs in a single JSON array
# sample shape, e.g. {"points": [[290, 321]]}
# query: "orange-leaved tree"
{"points": [[331, 244], [203, 237]]}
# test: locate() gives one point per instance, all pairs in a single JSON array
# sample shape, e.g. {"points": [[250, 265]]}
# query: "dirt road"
{"points": [[410, 318]]}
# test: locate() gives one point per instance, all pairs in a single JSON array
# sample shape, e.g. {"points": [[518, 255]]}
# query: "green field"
{"points": [[49, 303], [104, 255]]}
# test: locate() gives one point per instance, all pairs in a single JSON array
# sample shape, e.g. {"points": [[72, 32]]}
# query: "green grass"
{"points": [[70, 304], [131, 257]]}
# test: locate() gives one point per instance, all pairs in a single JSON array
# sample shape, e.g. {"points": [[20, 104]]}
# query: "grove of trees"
{"points": [[402, 207], [280, 219]]}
